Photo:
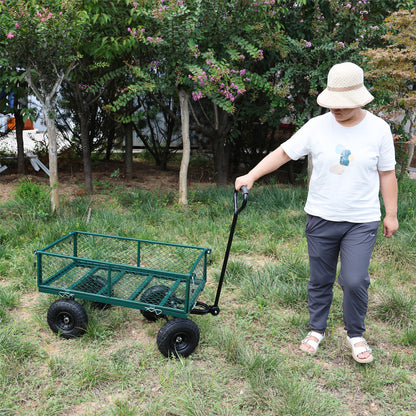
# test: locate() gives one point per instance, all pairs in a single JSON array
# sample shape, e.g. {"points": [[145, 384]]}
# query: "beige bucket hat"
{"points": [[345, 88]]}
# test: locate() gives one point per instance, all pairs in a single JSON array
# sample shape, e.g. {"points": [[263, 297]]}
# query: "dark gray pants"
{"points": [[353, 243]]}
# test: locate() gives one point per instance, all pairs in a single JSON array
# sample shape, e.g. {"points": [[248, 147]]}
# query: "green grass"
{"points": [[248, 362]]}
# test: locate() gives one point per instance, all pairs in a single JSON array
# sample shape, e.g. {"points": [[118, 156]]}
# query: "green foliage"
{"points": [[31, 199], [321, 34], [392, 71]]}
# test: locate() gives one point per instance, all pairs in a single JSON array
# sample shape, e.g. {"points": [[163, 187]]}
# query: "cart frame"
{"points": [[194, 282]]}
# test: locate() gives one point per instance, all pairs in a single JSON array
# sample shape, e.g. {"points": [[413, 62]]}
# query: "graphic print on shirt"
{"points": [[344, 160]]}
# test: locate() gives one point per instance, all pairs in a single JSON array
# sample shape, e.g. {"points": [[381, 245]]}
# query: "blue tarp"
{"points": [[7, 95]]}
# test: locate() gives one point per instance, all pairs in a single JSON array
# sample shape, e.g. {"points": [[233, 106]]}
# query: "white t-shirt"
{"points": [[344, 185]]}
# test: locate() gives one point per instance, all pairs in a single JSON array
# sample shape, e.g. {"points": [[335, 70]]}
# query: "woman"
{"points": [[353, 159]]}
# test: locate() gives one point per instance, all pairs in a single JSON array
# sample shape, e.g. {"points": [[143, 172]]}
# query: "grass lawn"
{"points": [[248, 360]]}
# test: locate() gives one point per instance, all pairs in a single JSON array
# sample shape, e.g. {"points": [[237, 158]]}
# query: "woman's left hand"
{"points": [[390, 226]]}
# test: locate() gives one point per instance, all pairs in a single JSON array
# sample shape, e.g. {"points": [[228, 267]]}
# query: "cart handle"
{"points": [[214, 309], [202, 308]]}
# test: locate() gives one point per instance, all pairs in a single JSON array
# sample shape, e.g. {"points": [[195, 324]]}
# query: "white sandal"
{"points": [[311, 342], [358, 350]]}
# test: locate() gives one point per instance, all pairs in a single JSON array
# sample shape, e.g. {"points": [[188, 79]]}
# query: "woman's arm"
{"points": [[267, 165], [388, 187]]}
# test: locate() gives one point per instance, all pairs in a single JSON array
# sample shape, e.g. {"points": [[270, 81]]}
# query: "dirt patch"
{"points": [[106, 175]]}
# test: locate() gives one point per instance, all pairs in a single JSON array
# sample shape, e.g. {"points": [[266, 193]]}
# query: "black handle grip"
{"points": [[238, 209]]}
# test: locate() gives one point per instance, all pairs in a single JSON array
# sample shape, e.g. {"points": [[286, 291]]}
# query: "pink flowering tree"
{"points": [[42, 39], [209, 55], [324, 33], [321, 34], [392, 70]]}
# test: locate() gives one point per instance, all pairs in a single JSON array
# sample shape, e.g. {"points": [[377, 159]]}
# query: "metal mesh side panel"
{"points": [[158, 256], [175, 259]]}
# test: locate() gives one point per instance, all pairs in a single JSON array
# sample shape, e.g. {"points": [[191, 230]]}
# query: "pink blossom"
{"points": [[154, 64], [10, 35], [16, 24], [197, 95]]}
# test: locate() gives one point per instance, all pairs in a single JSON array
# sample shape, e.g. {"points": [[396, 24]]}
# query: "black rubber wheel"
{"points": [[67, 318], [98, 282], [178, 337], [154, 295]]}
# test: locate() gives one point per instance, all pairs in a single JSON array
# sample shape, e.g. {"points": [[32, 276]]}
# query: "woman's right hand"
{"points": [[245, 180]]}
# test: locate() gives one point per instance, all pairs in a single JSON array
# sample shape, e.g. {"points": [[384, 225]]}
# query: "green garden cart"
{"points": [[162, 280]]}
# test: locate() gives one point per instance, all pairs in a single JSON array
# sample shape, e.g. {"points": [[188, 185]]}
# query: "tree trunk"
{"points": [[86, 153], [20, 124], [221, 151], [410, 147], [53, 158], [221, 160], [110, 141], [128, 161], [186, 147], [411, 153], [47, 108]]}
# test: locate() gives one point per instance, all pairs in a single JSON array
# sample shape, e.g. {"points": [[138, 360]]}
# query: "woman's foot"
{"points": [[361, 352], [311, 342]]}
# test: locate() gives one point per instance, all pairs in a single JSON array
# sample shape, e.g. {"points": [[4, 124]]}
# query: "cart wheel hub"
{"points": [[179, 339], [66, 320]]}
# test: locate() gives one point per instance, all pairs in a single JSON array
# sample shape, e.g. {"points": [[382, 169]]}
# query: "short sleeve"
{"points": [[299, 144], [387, 160]]}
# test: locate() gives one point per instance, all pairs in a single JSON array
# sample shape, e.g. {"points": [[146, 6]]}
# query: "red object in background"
{"points": [[11, 124]]}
